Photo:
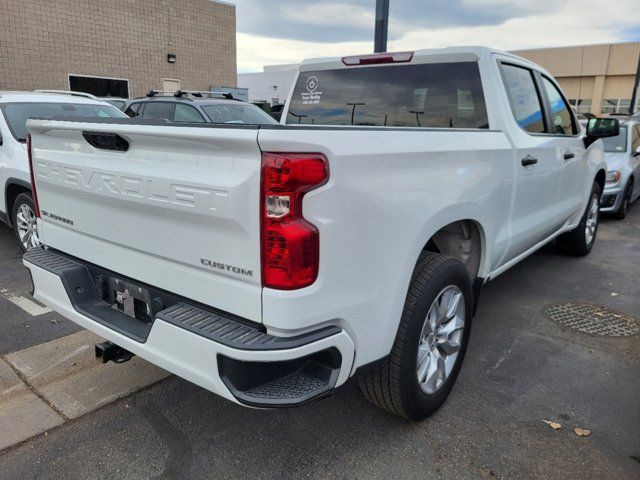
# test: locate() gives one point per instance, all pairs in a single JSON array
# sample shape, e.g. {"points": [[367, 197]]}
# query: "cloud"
{"points": [[353, 20], [289, 31]]}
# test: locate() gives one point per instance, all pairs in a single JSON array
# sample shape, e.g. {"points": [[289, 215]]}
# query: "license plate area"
{"points": [[132, 300]]}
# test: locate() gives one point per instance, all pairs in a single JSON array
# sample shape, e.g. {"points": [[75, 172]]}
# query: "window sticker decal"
{"points": [[312, 95]]}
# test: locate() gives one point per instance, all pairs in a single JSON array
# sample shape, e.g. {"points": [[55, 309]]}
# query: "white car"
{"points": [[270, 263], [622, 154], [16, 203]]}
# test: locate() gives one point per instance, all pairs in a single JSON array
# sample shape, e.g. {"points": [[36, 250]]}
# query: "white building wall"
{"points": [[272, 85]]}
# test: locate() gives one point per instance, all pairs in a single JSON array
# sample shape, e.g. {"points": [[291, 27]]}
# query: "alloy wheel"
{"points": [[592, 219], [27, 227], [440, 339]]}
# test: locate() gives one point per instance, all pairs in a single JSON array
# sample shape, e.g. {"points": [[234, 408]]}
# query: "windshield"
{"points": [[17, 114], [241, 114], [444, 95], [617, 143]]}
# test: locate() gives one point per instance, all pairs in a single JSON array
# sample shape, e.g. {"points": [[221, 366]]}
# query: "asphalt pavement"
{"points": [[520, 369]]}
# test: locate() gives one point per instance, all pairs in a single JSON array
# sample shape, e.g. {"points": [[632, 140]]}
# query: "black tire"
{"points": [[621, 213], [22, 199], [392, 383], [575, 241]]}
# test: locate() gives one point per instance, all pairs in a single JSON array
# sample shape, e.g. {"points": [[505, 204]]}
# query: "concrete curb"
{"points": [[43, 386]]}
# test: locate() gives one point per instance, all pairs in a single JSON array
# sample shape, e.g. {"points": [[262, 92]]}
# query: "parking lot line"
{"points": [[32, 308]]}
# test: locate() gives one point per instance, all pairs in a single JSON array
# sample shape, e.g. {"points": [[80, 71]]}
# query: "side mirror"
{"points": [[603, 127]]}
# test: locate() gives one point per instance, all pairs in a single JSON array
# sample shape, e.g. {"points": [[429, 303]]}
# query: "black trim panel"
{"points": [[90, 290], [106, 141], [228, 332], [281, 384]]}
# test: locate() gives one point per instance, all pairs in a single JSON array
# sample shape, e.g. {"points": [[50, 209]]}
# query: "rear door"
{"points": [[565, 139], [178, 210], [539, 168]]}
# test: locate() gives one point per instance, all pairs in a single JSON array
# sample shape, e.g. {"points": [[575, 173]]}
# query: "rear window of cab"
{"points": [[435, 95]]}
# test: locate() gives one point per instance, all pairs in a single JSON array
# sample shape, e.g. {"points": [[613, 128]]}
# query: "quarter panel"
{"points": [[389, 191]]}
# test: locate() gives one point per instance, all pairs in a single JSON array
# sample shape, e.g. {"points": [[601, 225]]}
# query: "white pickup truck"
{"points": [[270, 263]]}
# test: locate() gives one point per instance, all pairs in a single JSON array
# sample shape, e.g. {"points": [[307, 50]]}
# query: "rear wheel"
{"points": [[24, 224], [417, 376], [626, 201], [580, 240]]}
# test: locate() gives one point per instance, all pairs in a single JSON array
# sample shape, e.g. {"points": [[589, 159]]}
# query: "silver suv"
{"points": [[196, 107]]}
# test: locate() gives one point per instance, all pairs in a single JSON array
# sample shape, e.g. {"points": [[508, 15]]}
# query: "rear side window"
{"points": [[440, 95], [560, 115], [133, 109], [158, 110], [187, 113], [524, 98], [525, 101]]}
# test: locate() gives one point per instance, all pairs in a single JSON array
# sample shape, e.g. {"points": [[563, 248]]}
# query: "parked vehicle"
{"points": [[276, 111], [16, 204], [270, 263], [196, 107], [622, 154], [118, 102]]}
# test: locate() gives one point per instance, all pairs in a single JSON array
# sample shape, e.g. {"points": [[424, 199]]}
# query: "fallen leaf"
{"points": [[554, 425], [582, 432]]}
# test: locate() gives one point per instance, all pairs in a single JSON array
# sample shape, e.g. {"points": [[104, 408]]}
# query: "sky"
{"points": [[271, 32]]}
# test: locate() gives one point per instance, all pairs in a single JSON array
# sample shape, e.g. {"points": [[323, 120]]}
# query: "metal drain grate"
{"points": [[594, 319]]}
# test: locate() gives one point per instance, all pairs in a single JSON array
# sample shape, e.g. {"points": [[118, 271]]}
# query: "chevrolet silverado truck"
{"points": [[271, 263]]}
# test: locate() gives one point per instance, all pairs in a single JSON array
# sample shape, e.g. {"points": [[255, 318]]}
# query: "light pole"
{"points": [[382, 24]]}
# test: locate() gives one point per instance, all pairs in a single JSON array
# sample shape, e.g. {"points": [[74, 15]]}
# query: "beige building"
{"points": [[117, 47], [595, 78]]}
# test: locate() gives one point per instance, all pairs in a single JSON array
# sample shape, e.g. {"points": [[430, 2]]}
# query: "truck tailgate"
{"points": [[179, 209]]}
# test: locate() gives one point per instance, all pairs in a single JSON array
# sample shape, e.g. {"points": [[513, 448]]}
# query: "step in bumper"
{"points": [[215, 350]]}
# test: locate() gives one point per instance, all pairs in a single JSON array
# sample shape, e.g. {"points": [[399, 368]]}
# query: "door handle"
{"points": [[569, 155], [529, 160]]}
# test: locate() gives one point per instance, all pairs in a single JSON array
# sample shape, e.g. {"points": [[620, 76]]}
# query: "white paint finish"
{"points": [[177, 196], [29, 306], [179, 351], [389, 191]]}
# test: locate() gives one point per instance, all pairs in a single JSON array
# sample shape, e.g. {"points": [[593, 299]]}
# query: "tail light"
{"points": [[290, 244], [32, 176]]}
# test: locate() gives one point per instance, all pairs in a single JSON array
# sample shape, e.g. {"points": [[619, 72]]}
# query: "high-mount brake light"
{"points": [[376, 58], [32, 175], [290, 243]]}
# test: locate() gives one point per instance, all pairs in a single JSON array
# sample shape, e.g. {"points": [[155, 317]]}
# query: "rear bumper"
{"points": [[214, 350]]}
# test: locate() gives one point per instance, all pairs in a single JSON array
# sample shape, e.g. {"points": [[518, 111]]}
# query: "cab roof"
{"points": [[447, 54]]}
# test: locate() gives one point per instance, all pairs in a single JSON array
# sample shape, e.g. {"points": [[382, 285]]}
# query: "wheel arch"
{"points": [[464, 239], [13, 188]]}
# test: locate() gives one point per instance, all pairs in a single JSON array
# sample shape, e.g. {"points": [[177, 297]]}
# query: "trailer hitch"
{"points": [[107, 351]]}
